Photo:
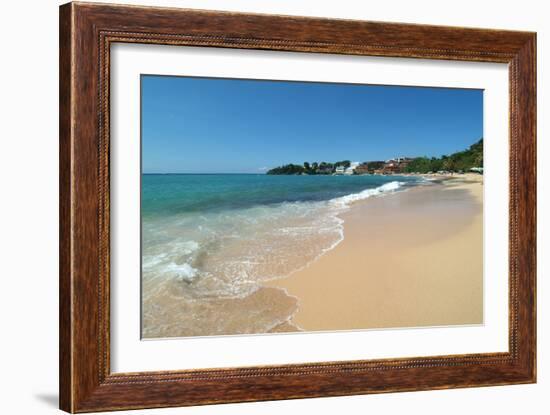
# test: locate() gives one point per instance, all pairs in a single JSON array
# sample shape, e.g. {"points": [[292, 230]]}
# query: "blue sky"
{"points": [[206, 125]]}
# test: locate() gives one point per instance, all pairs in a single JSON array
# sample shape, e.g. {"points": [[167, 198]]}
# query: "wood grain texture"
{"points": [[65, 246], [86, 33]]}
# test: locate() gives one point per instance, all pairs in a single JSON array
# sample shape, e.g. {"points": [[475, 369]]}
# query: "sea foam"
{"points": [[365, 194]]}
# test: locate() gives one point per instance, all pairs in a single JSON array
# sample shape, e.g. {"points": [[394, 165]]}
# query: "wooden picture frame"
{"points": [[86, 33]]}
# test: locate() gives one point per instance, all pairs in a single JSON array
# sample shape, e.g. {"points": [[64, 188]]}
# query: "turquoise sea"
{"points": [[208, 242]]}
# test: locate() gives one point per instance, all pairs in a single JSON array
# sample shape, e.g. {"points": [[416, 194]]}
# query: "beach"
{"points": [[408, 259]]}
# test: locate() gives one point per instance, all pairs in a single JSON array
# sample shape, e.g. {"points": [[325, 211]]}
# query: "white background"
{"points": [[28, 216], [129, 354]]}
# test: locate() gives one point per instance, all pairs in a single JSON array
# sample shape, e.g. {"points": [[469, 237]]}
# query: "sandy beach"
{"points": [[408, 259]]}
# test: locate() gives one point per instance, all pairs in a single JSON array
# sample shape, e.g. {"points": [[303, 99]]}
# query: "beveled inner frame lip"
{"points": [[87, 32]]}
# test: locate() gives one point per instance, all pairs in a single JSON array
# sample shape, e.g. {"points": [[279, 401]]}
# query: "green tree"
{"points": [[459, 161], [448, 164], [287, 169]]}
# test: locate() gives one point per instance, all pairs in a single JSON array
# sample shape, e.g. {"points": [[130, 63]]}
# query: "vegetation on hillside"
{"points": [[310, 168], [460, 161], [374, 165]]}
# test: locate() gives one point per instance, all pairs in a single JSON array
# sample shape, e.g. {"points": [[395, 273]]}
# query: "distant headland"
{"points": [[462, 161]]}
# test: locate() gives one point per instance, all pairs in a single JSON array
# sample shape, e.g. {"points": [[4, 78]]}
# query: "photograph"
{"points": [[273, 206]]}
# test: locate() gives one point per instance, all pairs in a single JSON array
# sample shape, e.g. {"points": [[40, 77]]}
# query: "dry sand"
{"points": [[408, 259]]}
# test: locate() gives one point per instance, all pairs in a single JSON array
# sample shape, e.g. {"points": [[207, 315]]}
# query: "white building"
{"points": [[339, 170], [352, 167]]}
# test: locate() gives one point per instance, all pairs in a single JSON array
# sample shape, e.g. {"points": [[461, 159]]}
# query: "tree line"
{"points": [[322, 167], [460, 161]]}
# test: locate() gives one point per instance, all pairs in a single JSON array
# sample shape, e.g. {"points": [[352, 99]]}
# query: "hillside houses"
{"points": [[346, 168], [395, 166], [392, 166], [470, 159]]}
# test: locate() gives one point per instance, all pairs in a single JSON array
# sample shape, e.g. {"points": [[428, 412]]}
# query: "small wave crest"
{"points": [[345, 201]]}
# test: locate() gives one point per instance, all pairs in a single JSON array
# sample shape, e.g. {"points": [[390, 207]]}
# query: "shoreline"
{"points": [[393, 257]]}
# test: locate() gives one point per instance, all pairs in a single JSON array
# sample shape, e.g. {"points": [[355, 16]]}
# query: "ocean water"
{"points": [[209, 241]]}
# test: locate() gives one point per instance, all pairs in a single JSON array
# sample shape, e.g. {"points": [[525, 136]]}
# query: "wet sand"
{"points": [[408, 259]]}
